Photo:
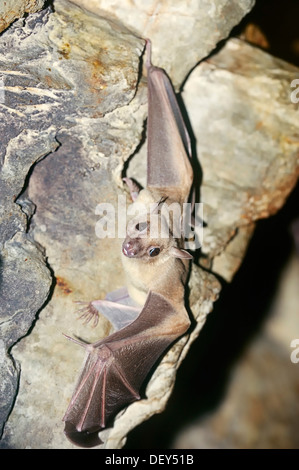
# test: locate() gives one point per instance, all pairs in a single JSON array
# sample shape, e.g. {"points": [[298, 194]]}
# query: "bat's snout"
{"points": [[130, 249]]}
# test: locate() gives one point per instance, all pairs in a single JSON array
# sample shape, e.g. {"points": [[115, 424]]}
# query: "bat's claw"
{"points": [[88, 313], [133, 188]]}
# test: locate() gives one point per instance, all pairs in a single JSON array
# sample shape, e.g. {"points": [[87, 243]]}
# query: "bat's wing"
{"points": [[117, 366], [169, 149]]}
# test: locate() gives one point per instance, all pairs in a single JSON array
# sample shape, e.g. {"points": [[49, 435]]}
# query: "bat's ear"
{"points": [[179, 253]]}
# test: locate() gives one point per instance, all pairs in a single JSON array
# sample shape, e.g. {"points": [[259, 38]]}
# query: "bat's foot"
{"points": [[133, 188], [88, 313], [117, 307]]}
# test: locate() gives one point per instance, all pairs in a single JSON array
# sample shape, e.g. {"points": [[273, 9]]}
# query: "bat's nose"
{"points": [[129, 249]]}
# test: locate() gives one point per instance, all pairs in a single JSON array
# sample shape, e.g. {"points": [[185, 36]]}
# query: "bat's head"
{"points": [[151, 236]]}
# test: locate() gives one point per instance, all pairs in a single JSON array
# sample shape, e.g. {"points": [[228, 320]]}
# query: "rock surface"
{"points": [[259, 407], [182, 32], [10, 10], [70, 81], [239, 100]]}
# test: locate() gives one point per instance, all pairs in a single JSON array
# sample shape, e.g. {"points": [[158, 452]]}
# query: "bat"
{"points": [[149, 314]]}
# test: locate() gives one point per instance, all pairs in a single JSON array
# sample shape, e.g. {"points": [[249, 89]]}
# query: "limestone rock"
{"points": [[53, 82], [259, 406], [9, 379], [25, 280], [246, 130], [182, 33], [10, 10]]}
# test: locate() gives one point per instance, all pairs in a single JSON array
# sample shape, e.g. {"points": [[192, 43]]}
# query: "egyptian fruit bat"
{"points": [[149, 315]]}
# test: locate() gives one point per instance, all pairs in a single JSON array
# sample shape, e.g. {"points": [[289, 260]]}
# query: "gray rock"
{"points": [[9, 379], [24, 277], [182, 33], [259, 408], [10, 10], [54, 81], [246, 130]]}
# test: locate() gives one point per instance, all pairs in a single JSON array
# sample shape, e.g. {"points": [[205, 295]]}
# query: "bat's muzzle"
{"points": [[130, 249]]}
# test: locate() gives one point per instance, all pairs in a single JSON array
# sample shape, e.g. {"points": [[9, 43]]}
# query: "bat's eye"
{"points": [[154, 251], [140, 227]]}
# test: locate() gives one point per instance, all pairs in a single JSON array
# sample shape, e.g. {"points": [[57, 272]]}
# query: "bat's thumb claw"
{"points": [[81, 439]]}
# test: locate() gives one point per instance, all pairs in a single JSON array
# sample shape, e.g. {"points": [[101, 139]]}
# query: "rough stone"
{"points": [[54, 81], [182, 33], [9, 379], [259, 408], [10, 10], [25, 280], [239, 100]]}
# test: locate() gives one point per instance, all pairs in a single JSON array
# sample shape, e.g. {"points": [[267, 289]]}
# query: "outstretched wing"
{"points": [[117, 366]]}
